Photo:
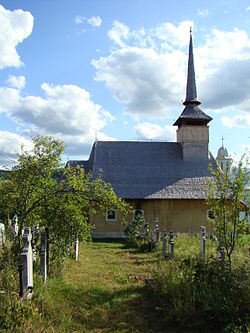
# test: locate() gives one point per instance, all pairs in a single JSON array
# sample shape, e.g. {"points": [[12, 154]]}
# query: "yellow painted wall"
{"points": [[177, 215]]}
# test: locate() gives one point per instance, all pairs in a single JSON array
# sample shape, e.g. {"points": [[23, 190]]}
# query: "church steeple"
{"points": [[192, 114], [191, 92]]}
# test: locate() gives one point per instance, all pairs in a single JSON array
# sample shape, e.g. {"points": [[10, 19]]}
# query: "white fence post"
{"points": [[2, 234], [77, 249], [26, 259]]}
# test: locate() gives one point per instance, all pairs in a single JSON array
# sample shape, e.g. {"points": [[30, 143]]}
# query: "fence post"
{"points": [[2, 234], [164, 243], [156, 232], [171, 245], [43, 256], [26, 260], [220, 253], [76, 249], [21, 281], [203, 243], [47, 252]]}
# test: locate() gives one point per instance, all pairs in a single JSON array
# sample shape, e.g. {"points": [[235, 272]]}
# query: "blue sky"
{"points": [[116, 70]]}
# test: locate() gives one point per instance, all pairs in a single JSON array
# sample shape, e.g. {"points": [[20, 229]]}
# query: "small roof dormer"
{"points": [[192, 114]]}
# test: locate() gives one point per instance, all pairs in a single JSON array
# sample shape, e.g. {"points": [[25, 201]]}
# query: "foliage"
{"points": [[44, 194], [138, 234], [193, 290], [133, 230], [226, 198], [14, 314]]}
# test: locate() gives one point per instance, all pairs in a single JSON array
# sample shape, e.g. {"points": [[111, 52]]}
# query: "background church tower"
{"points": [[192, 130], [223, 158]]}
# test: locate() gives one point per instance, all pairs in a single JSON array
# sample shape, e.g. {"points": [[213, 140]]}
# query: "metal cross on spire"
{"points": [[222, 140]]}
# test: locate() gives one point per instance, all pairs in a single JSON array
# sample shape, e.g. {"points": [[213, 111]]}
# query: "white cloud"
{"points": [[146, 68], [146, 81], [119, 32], [15, 26], [203, 12], [162, 36], [248, 8], [236, 121], [94, 21], [149, 131], [10, 146], [141, 71], [78, 19], [175, 35], [16, 81], [9, 99], [10, 143], [66, 112]]}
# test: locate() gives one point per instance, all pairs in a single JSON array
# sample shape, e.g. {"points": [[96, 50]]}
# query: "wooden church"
{"points": [[164, 180]]}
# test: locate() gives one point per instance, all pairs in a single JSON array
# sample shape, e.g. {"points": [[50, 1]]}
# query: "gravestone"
{"points": [[26, 260], [2, 234], [164, 243], [43, 256], [171, 245], [203, 243]]}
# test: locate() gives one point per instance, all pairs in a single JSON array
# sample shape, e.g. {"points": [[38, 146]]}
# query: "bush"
{"points": [[138, 234], [14, 314], [201, 292]]}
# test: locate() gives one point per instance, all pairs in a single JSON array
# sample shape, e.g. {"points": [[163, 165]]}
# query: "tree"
{"points": [[45, 194], [226, 199]]}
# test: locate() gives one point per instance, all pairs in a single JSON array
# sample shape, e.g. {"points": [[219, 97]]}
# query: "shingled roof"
{"points": [[148, 170]]}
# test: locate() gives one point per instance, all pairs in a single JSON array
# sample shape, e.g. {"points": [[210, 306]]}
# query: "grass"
{"points": [[105, 291]]}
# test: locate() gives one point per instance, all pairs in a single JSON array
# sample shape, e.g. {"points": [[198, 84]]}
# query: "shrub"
{"points": [[207, 291]]}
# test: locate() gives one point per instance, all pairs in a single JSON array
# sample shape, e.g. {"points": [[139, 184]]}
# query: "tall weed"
{"points": [[197, 291]]}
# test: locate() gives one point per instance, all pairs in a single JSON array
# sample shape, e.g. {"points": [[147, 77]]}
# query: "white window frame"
{"points": [[111, 219]]}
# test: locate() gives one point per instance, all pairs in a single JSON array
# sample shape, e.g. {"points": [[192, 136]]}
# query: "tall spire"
{"points": [[191, 92], [192, 114]]}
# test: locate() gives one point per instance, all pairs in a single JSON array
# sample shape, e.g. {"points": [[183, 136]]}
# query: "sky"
{"points": [[86, 70]]}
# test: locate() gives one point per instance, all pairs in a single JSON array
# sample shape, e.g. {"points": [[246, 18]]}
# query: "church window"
{"points": [[111, 215]]}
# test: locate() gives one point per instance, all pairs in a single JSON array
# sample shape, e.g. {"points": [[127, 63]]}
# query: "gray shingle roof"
{"points": [[192, 114], [153, 170]]}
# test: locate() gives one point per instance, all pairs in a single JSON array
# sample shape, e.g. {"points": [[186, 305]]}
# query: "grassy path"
{"points": [[103, 292]]}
